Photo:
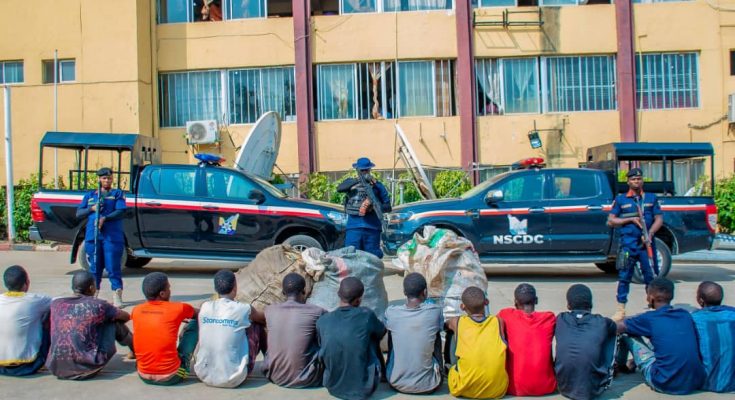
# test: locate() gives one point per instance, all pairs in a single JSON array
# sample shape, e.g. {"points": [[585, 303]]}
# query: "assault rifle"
{"points": [[97, 223], [646, 236], [377, 204]]}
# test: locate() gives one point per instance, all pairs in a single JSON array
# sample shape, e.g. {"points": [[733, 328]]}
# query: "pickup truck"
{"points": [[558, 215], [203, 211]]}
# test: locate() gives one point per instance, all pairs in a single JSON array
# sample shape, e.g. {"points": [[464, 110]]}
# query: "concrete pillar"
{"points": [[626, 70], [466, 88], [304, 87]]}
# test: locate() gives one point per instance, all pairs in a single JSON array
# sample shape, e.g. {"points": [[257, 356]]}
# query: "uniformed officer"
{"points": [[363, 225], [625, 216], [110, 236]]}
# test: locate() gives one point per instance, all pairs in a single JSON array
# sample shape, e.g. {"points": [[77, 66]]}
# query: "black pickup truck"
{"points": [[558, 215], [200, 211]]}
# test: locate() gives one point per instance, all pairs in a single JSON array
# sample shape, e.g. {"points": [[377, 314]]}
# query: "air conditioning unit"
{"points": [[731, 108], [201, 132]]}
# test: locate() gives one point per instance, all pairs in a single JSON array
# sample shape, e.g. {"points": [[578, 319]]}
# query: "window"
{"points": [[426, 88], [337, 91], [171, 11], [190, 96], [253, 91], [668, 80], [527, 187], [358, 6], [66, 71], [416, 5], [520, 85], [225, 185], [355, 91], [174, 181], [494, 3], [11, 72], [177, 11], [238, 9], [732, 62], [575, 185], [579, 83]]}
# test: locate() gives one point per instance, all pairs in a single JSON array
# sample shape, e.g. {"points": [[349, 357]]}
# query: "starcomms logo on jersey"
{"points": [[518, 233]]}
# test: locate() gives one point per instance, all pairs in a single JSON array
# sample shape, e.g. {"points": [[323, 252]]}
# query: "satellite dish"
{"points": [[260, 149], [414, 166]]}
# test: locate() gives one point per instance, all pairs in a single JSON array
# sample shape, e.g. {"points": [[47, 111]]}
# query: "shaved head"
{"points": [[473, 299], [82, 282], [351, 290], [709, 294], [525, 294]]}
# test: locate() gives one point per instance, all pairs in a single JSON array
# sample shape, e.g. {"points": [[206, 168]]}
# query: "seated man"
{"points": [[23, 325], [350, 345], [228, 342], [715, 325], [530, 333], [670, 362], [292, 359], [480, 350], [585, 347], [414, 340], [156, 325]]}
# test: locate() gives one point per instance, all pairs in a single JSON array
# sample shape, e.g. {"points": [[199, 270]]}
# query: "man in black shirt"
{"points": [[585, 346], [349, 339]]}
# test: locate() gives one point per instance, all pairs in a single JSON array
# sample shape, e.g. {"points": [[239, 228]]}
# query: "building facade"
{"points": [[466, 81]]}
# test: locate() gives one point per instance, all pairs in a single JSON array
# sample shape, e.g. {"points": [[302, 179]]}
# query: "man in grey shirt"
{"points": [[414, 356], [291, 360]]}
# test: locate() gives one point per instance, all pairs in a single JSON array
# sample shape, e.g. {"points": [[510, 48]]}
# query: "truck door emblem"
{"points": [[228, 226], [518, 233]]}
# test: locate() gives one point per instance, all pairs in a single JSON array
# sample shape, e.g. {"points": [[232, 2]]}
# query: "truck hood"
{"points": [[426, 205], [315, 204]]}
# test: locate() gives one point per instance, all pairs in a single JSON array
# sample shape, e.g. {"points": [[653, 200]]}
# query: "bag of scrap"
{"points": [[260, 283], [329, 268], [448, 262]]}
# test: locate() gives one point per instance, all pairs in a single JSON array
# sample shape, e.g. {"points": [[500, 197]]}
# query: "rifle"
{"points": [[97, 222], [377, 205], [646, 235]]}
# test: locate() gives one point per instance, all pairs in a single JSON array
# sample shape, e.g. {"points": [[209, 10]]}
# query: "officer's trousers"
{"points": [[625, 274], [109, 255], [364, 239]]}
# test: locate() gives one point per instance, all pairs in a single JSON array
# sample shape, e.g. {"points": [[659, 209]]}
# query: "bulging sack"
{"points": [[329, 268], [449, 263], [260, 283]]}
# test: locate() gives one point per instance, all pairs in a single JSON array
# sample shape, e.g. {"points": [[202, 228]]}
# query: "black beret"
{"points": [[104, 172], [635, 172]]}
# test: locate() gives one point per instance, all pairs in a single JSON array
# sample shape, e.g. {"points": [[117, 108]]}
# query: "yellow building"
{"points": [[466, 82]]}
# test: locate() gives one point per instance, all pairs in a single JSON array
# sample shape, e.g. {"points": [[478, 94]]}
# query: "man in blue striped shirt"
{"points": [[716, 329]]}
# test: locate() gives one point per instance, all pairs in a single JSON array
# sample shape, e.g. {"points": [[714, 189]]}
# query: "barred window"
{"points": [[254, 91], [189, 96], [11, 72], [426, 88], [355, 91], [667, 80], [579, 83], [507, 86]]}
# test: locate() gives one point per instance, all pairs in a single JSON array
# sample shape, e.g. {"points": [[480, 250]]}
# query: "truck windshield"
{"points": [[268, 187], [483, 186]]}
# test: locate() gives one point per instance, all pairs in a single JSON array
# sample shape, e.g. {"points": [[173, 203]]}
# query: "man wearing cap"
{"points": [[625, 217], [110, 237], [363, 224]]}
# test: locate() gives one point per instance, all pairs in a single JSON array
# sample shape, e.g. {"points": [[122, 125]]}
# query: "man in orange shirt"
{"points": [[156, 325]]}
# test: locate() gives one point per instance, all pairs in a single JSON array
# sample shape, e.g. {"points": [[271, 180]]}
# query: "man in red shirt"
{"points": [[529, 334], [156, 325]]}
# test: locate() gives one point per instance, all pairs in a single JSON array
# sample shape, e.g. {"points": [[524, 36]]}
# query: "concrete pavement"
{"points": [[191, 282]]}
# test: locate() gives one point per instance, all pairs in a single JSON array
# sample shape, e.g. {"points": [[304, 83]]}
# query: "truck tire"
{"points": [[608, 267], [137, 262], [664, 262], [303, 242], [82, 259]]}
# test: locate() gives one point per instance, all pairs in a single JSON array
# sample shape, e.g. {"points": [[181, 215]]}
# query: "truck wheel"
{"points": [[608, 267], [303, 242], [664, 262], [137, 262], [82, 259]]}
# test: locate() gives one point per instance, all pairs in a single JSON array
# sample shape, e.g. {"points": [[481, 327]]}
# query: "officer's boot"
{"points": [[619, 313], [117, 298]]}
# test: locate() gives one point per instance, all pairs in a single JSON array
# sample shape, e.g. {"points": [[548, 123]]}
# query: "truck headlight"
{"points": [[398, 217], [337, 217]]}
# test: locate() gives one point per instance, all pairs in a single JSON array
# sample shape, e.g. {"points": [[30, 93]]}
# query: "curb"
{"points": [[6, 246]]}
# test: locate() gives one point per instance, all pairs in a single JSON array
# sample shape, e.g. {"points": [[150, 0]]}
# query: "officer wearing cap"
{"points": [[363, 225], [110, 237], [625, 216]]}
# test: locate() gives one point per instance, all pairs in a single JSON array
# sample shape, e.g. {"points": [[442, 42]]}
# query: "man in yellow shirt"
{"points": [[480, 350]]}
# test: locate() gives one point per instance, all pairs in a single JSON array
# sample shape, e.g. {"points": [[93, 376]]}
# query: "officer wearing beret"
{"points": [[110, 237], [363, 225], [626, 218]]}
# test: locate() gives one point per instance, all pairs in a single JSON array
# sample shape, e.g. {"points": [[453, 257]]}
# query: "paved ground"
{"points": [[191, 282]]}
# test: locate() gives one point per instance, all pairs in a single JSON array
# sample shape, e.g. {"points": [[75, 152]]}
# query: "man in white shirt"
{"points": [[228, 342], [24, 334]]}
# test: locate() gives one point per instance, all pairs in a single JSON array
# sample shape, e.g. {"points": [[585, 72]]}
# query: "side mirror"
{"points": [[257, 196], [494, 196]]}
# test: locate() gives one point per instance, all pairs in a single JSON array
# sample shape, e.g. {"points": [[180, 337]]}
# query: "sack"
{"points": [[449, 263], [329, 268], [260, 283]]}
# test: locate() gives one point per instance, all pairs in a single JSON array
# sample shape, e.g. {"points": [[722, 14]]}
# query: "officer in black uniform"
{"points": [[109, 231], [625, 216]]}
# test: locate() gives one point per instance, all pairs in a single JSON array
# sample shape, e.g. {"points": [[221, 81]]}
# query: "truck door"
{"points": [[239, 223], [167, 207], [517, 223], [578, 222]]}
